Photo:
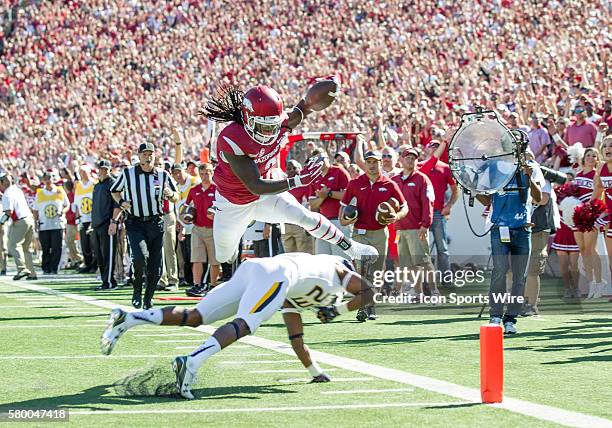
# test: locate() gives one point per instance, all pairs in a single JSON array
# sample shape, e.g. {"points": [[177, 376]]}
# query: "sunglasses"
{"points": [[387, 156]]}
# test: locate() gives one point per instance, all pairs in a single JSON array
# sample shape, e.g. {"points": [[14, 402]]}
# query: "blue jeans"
{"points": [[518, 249], [438, 228]]}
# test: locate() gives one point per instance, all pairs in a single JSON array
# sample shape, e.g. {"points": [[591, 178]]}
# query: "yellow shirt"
{"points": [[83, 195], [50, 205]]}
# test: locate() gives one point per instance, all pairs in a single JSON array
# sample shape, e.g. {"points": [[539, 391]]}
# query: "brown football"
{"points": [[384, 213], [188, 214], [395, 204], [322, 94]]}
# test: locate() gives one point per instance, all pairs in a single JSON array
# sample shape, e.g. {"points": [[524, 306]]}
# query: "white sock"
{"points": [[209, 348], [150, 316]]}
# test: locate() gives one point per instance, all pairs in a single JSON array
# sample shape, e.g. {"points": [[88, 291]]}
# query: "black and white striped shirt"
{"points": [[144, 190]]}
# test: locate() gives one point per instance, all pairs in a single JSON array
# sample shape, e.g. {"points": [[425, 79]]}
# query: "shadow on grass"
{"points": [[148, 386]]}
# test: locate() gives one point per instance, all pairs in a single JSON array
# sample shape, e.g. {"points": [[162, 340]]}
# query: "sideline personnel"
{"points": [[140, 191]]}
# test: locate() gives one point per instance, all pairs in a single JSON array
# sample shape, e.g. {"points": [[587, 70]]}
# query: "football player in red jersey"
{"points": [[247, 150]]}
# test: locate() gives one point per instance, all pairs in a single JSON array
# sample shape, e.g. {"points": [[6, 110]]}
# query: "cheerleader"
{"points": [[587, 241], [603, 183], [567, 250]]}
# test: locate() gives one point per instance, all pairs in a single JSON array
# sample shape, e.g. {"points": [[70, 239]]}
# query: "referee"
{"points": [[140, 191]]}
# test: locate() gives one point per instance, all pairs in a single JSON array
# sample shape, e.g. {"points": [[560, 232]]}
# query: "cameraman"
{"points": [[511, 210], [546, 220]]}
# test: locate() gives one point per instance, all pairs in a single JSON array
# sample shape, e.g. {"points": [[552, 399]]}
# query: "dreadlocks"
{"points": [[226, 107]]}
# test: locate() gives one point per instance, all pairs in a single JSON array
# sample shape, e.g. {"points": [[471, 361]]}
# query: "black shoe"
{"points": [[160, 287], [2, 272], [20, 275], [147, 304], [362, 316], [83, 269], [105, 286], [32, 277], [136, 300], [184, 284], [197, 291]]}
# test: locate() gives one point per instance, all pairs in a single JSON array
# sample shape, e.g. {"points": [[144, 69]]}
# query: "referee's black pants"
{"points": [[106, 251], [51, 243], [146, 240]]}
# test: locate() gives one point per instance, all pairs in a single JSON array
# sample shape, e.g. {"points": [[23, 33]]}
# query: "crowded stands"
{"points": [[82, 82]]}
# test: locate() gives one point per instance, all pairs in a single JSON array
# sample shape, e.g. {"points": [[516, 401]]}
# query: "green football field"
{"points": [[401, 370]]}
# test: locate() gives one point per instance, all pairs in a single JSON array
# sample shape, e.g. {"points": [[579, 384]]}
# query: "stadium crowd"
{"points": [[84, 82]]}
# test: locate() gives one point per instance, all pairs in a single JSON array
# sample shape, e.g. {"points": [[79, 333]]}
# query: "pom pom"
{"points": [[568, 189], [567, 207], [587, 213], [575, 153]]}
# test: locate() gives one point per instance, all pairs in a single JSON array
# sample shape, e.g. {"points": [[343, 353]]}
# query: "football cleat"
{"points": [[184, 377], [322, 378], [362, 315], [358, 251], [113, 331]]}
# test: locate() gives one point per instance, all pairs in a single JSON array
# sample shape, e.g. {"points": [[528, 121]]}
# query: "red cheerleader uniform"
{"points": [[606, 180]]}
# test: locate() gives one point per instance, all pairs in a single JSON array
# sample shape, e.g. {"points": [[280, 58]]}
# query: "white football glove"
{"points": [[307, 175]]}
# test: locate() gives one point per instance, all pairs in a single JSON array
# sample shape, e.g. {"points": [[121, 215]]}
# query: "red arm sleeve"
{"points": [[428, 165]]}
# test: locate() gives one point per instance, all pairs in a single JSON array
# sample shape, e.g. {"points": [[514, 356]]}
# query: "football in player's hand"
{"points": [[350, 212], [385, 213], [188, 214], [395, 204], [322, 93]]}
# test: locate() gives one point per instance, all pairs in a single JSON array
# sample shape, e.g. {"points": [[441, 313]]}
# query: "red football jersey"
{"points": [[235, 140]]}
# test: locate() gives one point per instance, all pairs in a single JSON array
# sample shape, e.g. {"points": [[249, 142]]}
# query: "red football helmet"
{"points": [[262, 114]]}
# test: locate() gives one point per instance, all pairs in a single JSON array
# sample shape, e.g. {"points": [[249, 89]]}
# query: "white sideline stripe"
{"points": [[259, 362], [180, 341], [47, 326], [168, 334], [263, 409], [224, 350], [367, 391], [539, 411], [77, 357], [336, 379], [83, 312], [287, 370], [37, 306]]}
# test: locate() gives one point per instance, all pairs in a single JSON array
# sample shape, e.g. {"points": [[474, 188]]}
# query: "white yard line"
{"points": [[41, 326], [77, 357], [168, 334], [367, 391], [288, 370], [241, 362], [539, 411], [336, 379], [262, 409]]}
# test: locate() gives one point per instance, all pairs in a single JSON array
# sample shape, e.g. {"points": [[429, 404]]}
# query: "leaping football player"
{"points": [[247, 149], [259, 287]]}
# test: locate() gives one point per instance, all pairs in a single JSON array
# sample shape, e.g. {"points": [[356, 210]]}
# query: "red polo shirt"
{"points": [[202, 201], [419, 194], [369, 195], [336, 179], [441, 177], [300, 193]]}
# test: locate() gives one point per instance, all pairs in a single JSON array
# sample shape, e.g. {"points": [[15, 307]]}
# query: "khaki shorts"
{"points": [[539, 253], [411, 250], [202, 246]]}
